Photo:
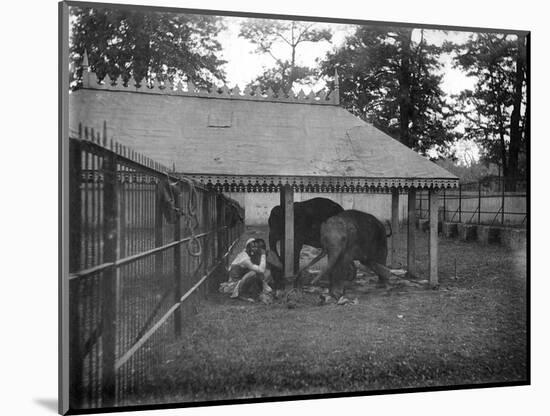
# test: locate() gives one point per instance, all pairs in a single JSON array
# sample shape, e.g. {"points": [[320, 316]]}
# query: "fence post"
{"points": [[108, 281], [479, 202], [459, 202], [502, 203], [177, 266], [75, 238]]}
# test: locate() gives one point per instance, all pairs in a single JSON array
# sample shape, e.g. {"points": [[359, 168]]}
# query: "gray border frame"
{"points": [[63, 217]]}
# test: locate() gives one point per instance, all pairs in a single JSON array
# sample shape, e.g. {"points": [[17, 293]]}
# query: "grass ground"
{"points": [[471, 330]]}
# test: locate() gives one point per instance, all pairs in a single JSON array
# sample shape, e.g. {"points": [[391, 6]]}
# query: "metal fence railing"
{"points": [[142, 241], [490, 201]]}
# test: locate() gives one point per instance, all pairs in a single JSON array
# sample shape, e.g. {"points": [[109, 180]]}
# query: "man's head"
{"points": [[249, 246], [255, 248], [260, 244]]}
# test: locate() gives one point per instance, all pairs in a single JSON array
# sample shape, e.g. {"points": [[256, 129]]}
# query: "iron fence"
{"points": [[490, 201], [142, 241]]}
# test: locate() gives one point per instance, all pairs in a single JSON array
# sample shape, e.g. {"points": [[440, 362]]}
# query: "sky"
{"points": [[244, 64]]}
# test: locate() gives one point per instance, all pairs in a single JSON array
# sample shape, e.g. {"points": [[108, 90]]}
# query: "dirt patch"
{"points": [[470, 330]]}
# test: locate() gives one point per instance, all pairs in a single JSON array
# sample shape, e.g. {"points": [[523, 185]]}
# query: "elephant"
{"points": [[353, 235], [308, 217]]}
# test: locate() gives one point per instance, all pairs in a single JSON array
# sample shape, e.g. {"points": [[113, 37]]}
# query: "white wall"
{"points": [[258, 205]]}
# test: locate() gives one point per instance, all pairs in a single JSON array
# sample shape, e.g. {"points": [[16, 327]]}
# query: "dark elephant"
{"points": [[353, 235], [232, 215], [308, 217]]}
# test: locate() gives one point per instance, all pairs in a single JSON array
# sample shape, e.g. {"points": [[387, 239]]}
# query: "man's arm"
{"points": [[257, 268]]}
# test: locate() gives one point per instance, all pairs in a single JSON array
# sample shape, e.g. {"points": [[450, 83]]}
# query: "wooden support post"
{"points": [[108, 281], [177, 267], [434, 207], [75, 250], [287, 242], [394, 226], [411, 229]]}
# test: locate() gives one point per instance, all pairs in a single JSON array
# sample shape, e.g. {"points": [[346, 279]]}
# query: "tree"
{"points": [[266, 33], [147, 45], [494, 110], [392, 81]]}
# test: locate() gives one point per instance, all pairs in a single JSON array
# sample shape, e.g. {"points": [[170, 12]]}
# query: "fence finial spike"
{"points": [[85, 64], [85, 70]]}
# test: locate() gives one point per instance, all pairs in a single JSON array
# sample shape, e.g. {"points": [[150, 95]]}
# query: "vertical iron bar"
{"points": [[479, 202], [502, 202], [177, 268], [108, 283], [459, 202]]}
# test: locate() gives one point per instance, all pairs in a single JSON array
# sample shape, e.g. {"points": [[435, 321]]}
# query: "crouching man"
{"points": [[247, 273]]}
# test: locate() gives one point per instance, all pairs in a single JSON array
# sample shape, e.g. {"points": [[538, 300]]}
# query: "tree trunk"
{"points": [[405, 36], [515, 129]]}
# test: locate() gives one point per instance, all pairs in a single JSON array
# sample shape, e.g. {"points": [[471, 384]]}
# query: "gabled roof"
{"points": [[250, 141]]}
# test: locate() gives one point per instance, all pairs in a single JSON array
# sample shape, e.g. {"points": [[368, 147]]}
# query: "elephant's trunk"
{"points": [[273, 238]]}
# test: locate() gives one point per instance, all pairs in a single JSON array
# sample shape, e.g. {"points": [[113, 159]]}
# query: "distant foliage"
{"points": [[394, 82], [473, 172], [147, 45], [495, 111], [266, 33]]}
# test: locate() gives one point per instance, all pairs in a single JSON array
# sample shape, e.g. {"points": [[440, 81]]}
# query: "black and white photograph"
{"points": [[272, 207]]}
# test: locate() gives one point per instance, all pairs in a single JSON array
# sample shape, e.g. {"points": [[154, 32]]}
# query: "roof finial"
{"points": [[85, 60], [85, 70], [336, 87]]}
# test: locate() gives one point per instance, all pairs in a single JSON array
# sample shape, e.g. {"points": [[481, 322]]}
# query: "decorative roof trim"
{"points": [[237, 183], [90, 80]]}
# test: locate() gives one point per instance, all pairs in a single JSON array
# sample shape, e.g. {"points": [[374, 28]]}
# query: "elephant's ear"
{"points": [[275, 215]]}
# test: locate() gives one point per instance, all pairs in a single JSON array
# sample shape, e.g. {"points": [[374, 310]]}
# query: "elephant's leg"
{"points": [[297, 251], [381, 271], [350, 271], [339, 275]]}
